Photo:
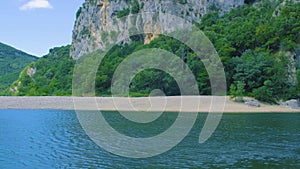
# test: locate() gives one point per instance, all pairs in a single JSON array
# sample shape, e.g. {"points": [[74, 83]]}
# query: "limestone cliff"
{"points": [[97, 21]]}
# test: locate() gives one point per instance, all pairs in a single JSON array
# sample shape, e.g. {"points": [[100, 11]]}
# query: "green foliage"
{"points": [[146, 81], [85, 32], [237, 91], [251, 43], [53, 75], [264, 93], [249, 1], [298, 84], [123, 13], [182, 1], [135, 7], [78, 12], [12, 61], [253, 68]]}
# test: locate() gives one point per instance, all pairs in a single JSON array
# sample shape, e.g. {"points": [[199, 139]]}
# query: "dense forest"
{"points": [[12, 61], [53, 75], [259, 45]]}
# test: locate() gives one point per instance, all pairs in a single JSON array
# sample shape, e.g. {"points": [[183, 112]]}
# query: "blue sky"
{"points": [[35, 26]]}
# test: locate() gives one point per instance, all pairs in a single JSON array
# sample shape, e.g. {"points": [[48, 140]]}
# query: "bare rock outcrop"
{"points": [[97, 23]]}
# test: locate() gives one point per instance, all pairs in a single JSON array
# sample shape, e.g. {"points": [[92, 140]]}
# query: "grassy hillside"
{"points": [[53, 75], [12, 61]]}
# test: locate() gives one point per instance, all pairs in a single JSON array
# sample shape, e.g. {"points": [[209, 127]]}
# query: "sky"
{"points": [[35, 26]]}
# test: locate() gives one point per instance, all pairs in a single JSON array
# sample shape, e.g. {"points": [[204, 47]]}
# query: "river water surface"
{"points": [[55, 139]]}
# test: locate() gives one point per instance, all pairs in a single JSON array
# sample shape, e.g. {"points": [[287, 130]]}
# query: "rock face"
{"points": [[31, 71], [252, 103], [293, 104], [98, 22]]}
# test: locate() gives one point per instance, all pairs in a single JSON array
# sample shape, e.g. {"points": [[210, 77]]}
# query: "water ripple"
{"points": [[54, 139]]}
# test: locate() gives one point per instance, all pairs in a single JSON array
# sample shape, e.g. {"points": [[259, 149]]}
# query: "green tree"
{"points": [[265, 93], [237, 91]]}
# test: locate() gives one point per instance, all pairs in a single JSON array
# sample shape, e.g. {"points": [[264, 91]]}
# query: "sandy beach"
{"points": [[167, 104]]}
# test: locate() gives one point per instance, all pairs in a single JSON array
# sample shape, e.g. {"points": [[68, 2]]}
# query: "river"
{"points": [[55, 139]]}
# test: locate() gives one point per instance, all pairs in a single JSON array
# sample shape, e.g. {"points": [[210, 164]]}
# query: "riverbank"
{"points": [[169, 104]]}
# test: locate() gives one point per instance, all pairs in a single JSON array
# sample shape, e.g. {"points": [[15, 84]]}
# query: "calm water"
{"points": [[55, 139]]}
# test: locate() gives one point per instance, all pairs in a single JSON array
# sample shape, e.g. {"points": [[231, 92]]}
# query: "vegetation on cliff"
{"points": [[52, 75], [12, 61], [260, 52], [257, 49]]}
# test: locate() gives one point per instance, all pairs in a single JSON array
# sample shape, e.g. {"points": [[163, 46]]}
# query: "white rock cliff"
{"points": [[97, 21]]}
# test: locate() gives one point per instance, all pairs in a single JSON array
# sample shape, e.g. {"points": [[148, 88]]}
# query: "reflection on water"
{"points": [[54, 139]]}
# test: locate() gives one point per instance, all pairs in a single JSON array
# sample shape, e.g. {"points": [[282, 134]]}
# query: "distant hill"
{"points": [[49, 75], [12, 62]]}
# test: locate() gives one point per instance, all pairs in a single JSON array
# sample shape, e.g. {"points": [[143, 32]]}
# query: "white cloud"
{"points": [[35, 4]]}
